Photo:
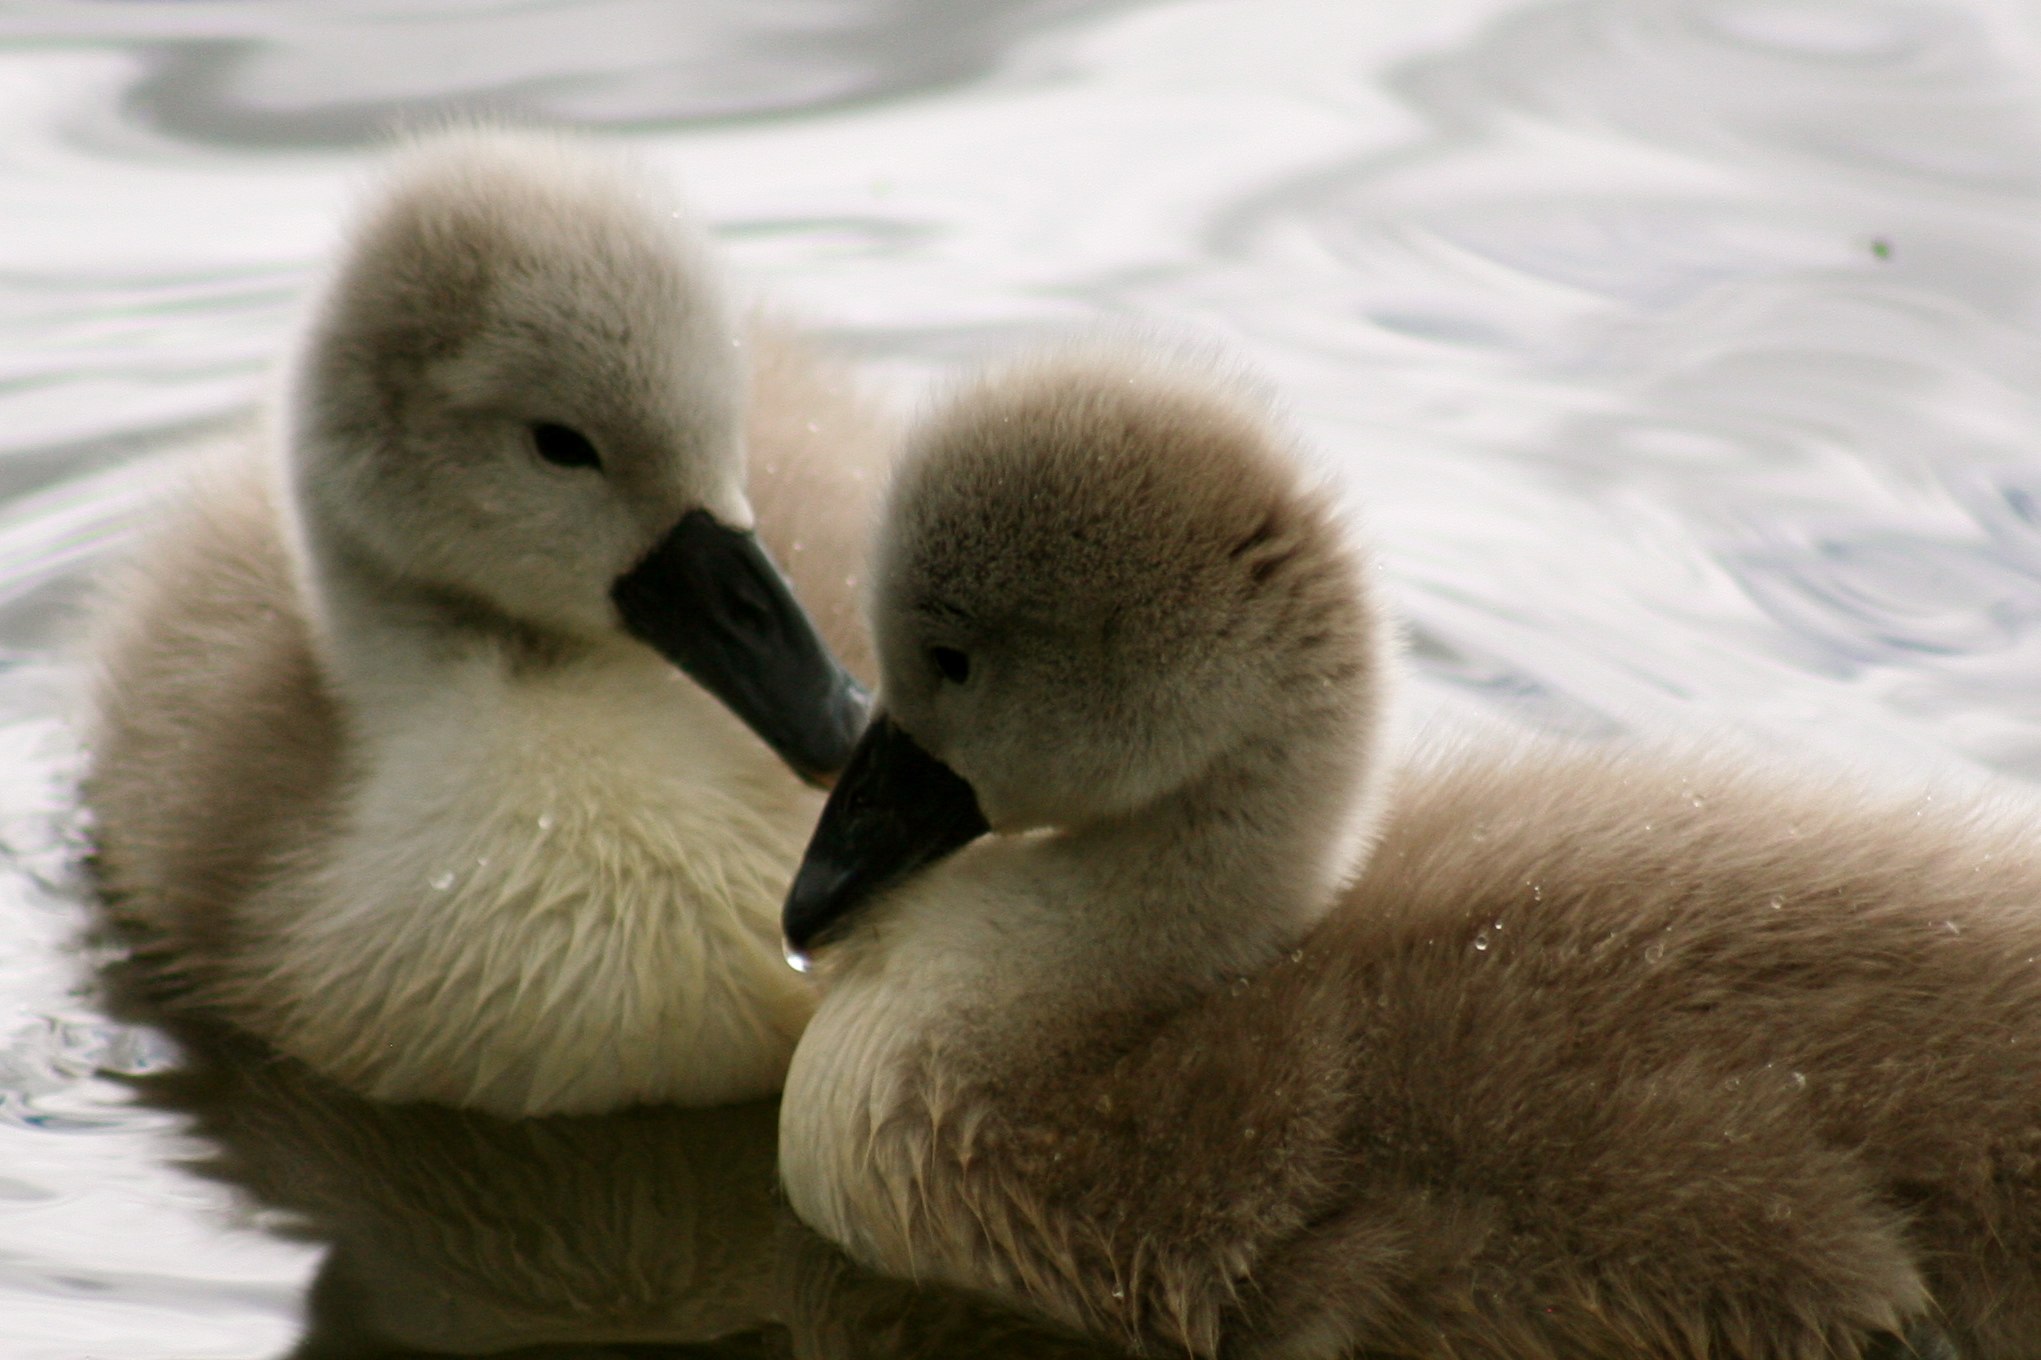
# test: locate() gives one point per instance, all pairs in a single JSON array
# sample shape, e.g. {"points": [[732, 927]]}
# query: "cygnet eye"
{"points": [[953, 664], [564, 447]]}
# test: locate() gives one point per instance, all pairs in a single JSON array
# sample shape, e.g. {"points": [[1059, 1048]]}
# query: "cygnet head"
{"points": [[520, 406], [1104, 594]]}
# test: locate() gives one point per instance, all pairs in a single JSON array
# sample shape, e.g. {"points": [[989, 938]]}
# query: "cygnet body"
{"points": [[1601, 1055], [417, 745]]}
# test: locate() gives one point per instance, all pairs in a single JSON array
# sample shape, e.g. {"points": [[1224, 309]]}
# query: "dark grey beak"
{"points": [[896, 809], [710, 600]]}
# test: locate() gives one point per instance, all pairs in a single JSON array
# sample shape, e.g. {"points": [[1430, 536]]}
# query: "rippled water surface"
{"points": [[1683, 357]]}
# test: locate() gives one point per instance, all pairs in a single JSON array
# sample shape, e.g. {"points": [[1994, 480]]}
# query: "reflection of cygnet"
{"points": [[1604, 1055], [392, 762], [456, 1232]]}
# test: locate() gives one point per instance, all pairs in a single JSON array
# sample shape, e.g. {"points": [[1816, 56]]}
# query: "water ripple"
{"points": [[345, 73]]}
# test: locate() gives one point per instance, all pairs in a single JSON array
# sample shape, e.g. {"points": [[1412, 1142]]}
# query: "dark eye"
{"points": [[564, 447], [954, 665]]}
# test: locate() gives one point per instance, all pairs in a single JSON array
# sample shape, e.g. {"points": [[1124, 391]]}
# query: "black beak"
{"points": [[895, 809], [710, 600]]}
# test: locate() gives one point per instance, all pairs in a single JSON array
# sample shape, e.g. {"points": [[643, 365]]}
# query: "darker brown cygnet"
{"points": [[1604, 1054]]}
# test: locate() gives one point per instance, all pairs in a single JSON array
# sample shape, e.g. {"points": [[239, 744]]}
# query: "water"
{"points": [[1683, 358]]}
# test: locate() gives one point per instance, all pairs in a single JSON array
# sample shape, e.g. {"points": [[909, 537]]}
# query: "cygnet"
{"points": [[446, 735], [1601, 1054]]}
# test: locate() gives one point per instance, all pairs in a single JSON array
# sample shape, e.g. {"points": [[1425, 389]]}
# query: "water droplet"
{"points": [[1777, 902], [1653, 953], [1247, 1132], [481, 861], [1952, 927], [443, 880], [1696, 800], [1481, 939], [546, 822], [1297, 956], [1537, 892], [1731, 1083], [1119, 1293], [1799, 1081], [797, 959], [1647, 826]]}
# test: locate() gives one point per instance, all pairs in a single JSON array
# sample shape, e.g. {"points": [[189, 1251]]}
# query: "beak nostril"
{"points": [[746, 608]]}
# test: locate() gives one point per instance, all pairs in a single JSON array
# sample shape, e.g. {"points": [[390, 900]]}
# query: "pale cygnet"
{"points": [[1603, 1055], [421, 740]]}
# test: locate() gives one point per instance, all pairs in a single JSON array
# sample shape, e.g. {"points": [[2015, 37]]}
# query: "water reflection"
{"points": [[447, 1232]]}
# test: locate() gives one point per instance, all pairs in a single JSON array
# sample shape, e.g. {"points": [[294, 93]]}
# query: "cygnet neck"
{"points": [[386, 634], [1213, 881], [1225, 872]]}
